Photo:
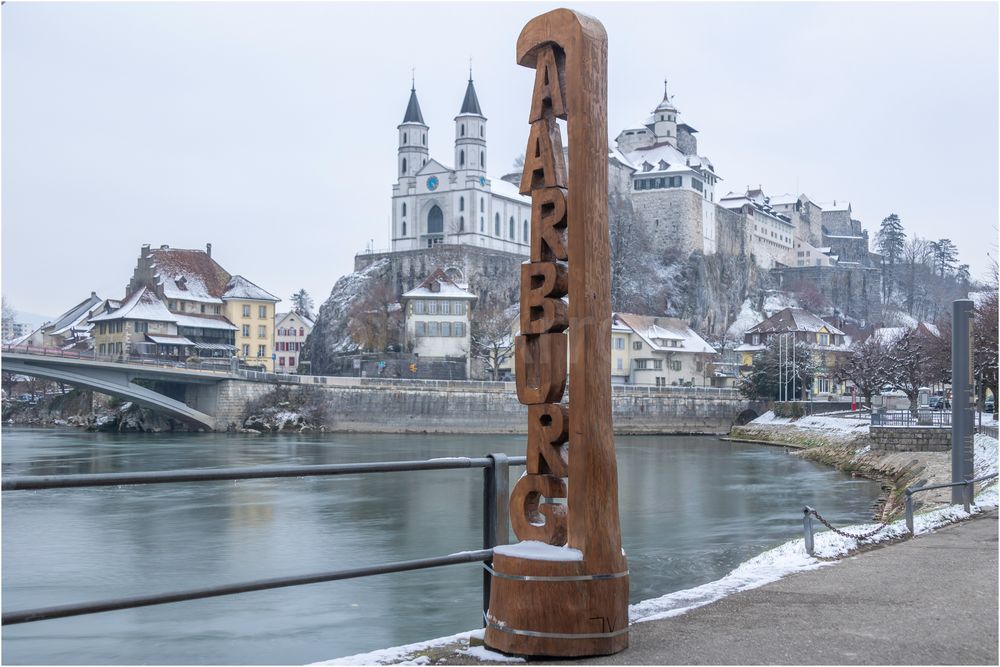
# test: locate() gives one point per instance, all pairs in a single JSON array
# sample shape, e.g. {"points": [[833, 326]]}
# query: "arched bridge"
{"points": [[118, 379]]}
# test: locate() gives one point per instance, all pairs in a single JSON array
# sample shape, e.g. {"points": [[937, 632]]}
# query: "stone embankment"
{"points": [[91, 411]]}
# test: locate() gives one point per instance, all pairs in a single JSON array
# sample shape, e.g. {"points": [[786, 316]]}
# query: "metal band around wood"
{"points": [[559, 635], [581, 577]]}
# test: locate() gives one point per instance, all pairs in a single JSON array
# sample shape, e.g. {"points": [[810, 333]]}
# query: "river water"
{"points": [[692, 509]]}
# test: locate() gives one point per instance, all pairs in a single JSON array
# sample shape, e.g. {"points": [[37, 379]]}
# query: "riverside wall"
{"points": [[396, 408]]}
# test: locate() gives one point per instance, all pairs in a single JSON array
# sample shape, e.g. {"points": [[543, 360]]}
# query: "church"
{"points": [[433, 203]]}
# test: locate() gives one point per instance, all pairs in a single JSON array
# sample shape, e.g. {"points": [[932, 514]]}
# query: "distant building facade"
{"points": [[290, 332], [437, 319]]}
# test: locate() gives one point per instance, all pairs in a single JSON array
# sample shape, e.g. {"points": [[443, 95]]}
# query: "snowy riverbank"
{"points": [[770, 566]]}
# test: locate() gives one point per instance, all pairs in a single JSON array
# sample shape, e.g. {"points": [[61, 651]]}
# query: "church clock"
{"points": [[432, 183]]}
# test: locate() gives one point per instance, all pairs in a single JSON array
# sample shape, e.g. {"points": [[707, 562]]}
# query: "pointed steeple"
{"points": [[667, 102], [471, 103], [413, 114]]}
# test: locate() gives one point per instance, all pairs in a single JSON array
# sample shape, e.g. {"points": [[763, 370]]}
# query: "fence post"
{"points": [[909, 511], [807, 527], [496, 520], [968, 490]]}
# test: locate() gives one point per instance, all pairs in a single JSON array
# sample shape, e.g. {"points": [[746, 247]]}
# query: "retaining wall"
{"points": [[910, 438]]}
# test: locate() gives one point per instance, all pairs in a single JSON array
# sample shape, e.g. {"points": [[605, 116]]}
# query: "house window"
{"points": [[432, 328], [640, 364], [261, 351], [637, 345], [203, 308], [619, 363], [291, 361], [445, 308], [824, 339], [458, 329], [217, 310], [657, 364], [246, 350], [281, 361], [619, 343], [262, 312], [420, 329], [246, 330], [262, 331], [755, 339], [418, 308], [446, 329], [432, 307], [302, 331], [246, 310], [458, 308]]}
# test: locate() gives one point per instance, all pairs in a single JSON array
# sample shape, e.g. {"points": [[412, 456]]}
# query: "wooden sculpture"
{"points": [[563, 590]]}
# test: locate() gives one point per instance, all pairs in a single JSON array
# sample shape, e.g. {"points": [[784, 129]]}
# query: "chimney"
{"points": [[164, 247], [208, 249], [144, 251]]}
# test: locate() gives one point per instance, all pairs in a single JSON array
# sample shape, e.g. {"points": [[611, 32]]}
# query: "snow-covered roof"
{"points": [[652, 329], [191, 275], [502, 188], [783, 200], [793, 319], [835, 206], [141, 305], [73, 317], [239, 287], [279, 319], [735, 201], [667, 153], [438, 286], [170, 340]]}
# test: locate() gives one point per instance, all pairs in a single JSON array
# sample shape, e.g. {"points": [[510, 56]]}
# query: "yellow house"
{"points": [[251, 309]]}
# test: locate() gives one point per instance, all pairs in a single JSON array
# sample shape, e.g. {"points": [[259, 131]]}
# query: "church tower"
{"points": [[413, 151], [665, 120], [470, 137]]}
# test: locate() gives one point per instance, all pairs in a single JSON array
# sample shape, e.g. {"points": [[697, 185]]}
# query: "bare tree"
{"points": [[375, 321], [492, 334], [916, 255], [865, 367], [986, 341]]}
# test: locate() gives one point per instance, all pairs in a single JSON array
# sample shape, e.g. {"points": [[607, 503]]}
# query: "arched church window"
{"points": [[482, 131], [404, 165], [404, 227], [404, 208], [461, 223], [482, 204], [482, 225], [482, 159], [463, 129], [524, 233], [461, 158], [510, 230], [404, 137], [423, 139], [435, 221], [425, 163], [461, 203], [496, 225]]}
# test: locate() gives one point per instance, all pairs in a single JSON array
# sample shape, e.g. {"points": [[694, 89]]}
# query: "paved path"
{"points": [[930, 600]]}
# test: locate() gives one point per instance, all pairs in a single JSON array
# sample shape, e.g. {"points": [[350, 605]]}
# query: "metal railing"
{"points": [[808, 512], [207, 365], [495, 524], [967, 492], [925, 417]]}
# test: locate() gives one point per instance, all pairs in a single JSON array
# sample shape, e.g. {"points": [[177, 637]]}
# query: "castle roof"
{"points": [[667, 103], [470, 105], [413, 114]]}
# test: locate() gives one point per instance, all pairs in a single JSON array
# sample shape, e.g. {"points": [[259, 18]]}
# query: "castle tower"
{"points": [[413, 151], [470, 137], [665, 120]]}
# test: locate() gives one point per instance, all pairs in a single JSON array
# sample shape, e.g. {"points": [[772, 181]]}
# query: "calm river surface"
{"points": [[692, 509]]}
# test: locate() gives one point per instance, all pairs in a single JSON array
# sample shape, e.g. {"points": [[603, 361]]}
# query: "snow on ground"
{"points": [[769, 566], [747, 319], [815, 423]]}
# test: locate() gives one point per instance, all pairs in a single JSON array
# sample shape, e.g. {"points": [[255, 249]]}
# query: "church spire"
{"points": [[471, 103], [413, 114]]}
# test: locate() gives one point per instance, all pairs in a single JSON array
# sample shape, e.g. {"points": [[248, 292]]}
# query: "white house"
{"points": [[290, 331], [437, 318]]}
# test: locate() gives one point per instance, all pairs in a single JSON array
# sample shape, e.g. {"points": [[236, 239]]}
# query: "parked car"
{"points": [[939, 403]]}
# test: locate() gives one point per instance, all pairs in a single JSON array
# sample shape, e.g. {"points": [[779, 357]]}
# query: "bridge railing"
{"points": [[495, 525], [206, 366]]}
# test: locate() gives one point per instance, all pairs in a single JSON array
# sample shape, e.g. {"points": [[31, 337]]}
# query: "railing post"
{"points": [[968, 490], [496, 521], [807, 527], [909, 511]]}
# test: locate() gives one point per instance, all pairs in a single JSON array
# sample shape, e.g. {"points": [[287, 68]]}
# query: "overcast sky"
{"points": [[269, 130]]}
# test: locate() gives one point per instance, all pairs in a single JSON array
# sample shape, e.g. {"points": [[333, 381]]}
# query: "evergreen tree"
{"points": [[302, 303], [962, 276], [775, 364], [945, 255], [890, 241]]}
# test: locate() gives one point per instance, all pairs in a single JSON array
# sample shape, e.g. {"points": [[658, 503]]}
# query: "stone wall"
{"points": [[854, 289], [397, 408], [910, 439], [226, 400], [673, 218]]}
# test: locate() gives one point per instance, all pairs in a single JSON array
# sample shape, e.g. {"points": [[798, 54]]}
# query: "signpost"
{"points": [[563, 590]]}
